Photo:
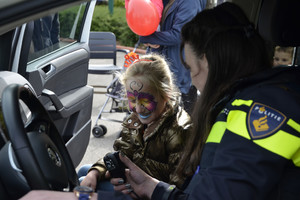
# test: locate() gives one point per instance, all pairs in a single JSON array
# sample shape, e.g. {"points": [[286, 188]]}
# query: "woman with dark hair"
{"points": [[231, 50]]}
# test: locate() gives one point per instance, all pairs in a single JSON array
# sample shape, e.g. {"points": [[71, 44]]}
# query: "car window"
{"points": [[56, 31], [297, 54]]}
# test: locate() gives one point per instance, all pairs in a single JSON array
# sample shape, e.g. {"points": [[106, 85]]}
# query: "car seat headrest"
{"points": [[279, 22]]}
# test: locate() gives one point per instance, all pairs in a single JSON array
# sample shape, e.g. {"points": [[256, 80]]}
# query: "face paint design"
{"points": [[144, 116], [146, 104], [144, 99], [131, 101]]}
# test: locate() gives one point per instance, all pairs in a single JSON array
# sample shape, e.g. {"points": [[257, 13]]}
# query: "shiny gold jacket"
{"points": [[157, 148]]}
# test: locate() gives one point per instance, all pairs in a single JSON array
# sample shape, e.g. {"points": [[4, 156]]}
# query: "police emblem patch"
{"points": [[263, 121]]}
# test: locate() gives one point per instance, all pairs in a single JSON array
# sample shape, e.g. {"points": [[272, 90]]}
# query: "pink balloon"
{"points": [[142, 17]]}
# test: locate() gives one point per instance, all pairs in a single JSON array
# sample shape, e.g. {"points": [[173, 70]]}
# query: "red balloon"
{"points": [[142, 17]]}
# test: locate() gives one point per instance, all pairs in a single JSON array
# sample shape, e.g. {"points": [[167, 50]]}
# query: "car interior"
{"points": [[55, 72], [34, 116]]}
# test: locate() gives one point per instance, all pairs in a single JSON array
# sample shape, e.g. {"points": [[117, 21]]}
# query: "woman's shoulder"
{"points": [[267, 105], [278, 89]]}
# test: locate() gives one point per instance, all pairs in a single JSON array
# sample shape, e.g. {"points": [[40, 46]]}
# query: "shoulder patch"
{"points": [[263, 121]]}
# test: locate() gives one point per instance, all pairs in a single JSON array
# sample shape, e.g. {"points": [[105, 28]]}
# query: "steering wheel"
{"points": [[37, 144]]}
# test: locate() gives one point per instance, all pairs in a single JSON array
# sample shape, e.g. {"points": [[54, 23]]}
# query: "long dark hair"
{"points": [[233, 50]]}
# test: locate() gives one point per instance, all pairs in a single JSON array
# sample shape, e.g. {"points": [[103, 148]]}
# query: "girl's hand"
{"points": [[91, 179]]}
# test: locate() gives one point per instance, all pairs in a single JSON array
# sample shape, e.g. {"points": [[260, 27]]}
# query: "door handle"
{"points": [[55, 101], [48, 69]]}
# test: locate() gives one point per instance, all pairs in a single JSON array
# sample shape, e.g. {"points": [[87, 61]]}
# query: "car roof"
{"points": [[11, 17]]}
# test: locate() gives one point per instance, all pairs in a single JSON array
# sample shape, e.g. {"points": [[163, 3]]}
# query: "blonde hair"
{"points": [[289, 50], [154, 69]]}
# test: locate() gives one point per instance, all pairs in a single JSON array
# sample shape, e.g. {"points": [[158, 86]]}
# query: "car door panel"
{"points": [[59, 72], [64, 92], [62, 73]]}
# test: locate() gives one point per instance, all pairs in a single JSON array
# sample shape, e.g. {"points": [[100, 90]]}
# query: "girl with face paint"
{"points": [[147, 105], [154, 135]]}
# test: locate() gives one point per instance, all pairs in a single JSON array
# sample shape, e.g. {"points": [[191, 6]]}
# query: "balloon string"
{"points": [[136, 45]]}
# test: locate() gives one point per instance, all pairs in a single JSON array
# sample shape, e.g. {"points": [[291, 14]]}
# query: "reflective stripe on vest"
{"points": [[283, 144], [219, 127], [280, 143], [240, 102], [217, 132]]}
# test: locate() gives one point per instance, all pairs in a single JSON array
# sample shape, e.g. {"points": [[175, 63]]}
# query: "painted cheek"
{"points": [[147, 100], [149, 105], [131, 101], [131, 106]]}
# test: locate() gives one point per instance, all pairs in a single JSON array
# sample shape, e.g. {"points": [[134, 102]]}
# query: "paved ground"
{"points": [[98, 147]]}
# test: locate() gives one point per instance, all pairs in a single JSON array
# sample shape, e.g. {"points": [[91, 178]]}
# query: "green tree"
{"points": [[116, 23]]}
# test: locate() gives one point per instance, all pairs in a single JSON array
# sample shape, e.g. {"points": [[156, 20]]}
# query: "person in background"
{"points": [[283, 56], [155, 134], [167, 42], [46, 33]]}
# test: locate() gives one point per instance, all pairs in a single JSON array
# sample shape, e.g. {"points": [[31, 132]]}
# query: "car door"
{"points": [[52, 53]]}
